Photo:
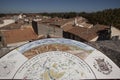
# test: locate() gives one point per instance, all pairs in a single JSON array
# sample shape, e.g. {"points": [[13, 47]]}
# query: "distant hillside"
{"points": [[107, 17], [2, 15]]}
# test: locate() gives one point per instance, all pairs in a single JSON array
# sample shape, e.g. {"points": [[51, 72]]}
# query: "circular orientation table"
{"points": [[57, 59]]}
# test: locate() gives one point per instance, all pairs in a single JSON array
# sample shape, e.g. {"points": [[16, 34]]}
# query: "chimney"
{"points": [[75, 22], [35, 27]]}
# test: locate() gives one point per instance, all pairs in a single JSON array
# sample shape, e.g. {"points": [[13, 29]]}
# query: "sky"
{"points": [[31, 6]]}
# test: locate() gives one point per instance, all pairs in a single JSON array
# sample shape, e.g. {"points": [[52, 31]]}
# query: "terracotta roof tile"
{"points": [[19, 35], [67, 27], [84, 33], [99, 27], [11, 26]]}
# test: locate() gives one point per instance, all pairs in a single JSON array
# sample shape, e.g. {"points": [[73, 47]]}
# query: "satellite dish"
{"points": [[57, 58]]}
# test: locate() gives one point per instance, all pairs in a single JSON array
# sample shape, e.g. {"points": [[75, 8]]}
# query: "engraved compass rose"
{"points": [[55, 65]]}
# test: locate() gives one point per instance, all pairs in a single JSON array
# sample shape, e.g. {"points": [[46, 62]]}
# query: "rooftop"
{"points": [[11, 26], [86, 34], [83, 32], [18, 35]]}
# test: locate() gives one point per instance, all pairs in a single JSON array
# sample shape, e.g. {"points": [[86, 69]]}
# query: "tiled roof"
{"points": [[87, 25], [61, 22], [18, 35], [11, 26], [84, 33], [68, 27], [99, 27]]}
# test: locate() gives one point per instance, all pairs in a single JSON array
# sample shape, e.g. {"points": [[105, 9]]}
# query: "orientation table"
{"points": [[57, 59]]}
